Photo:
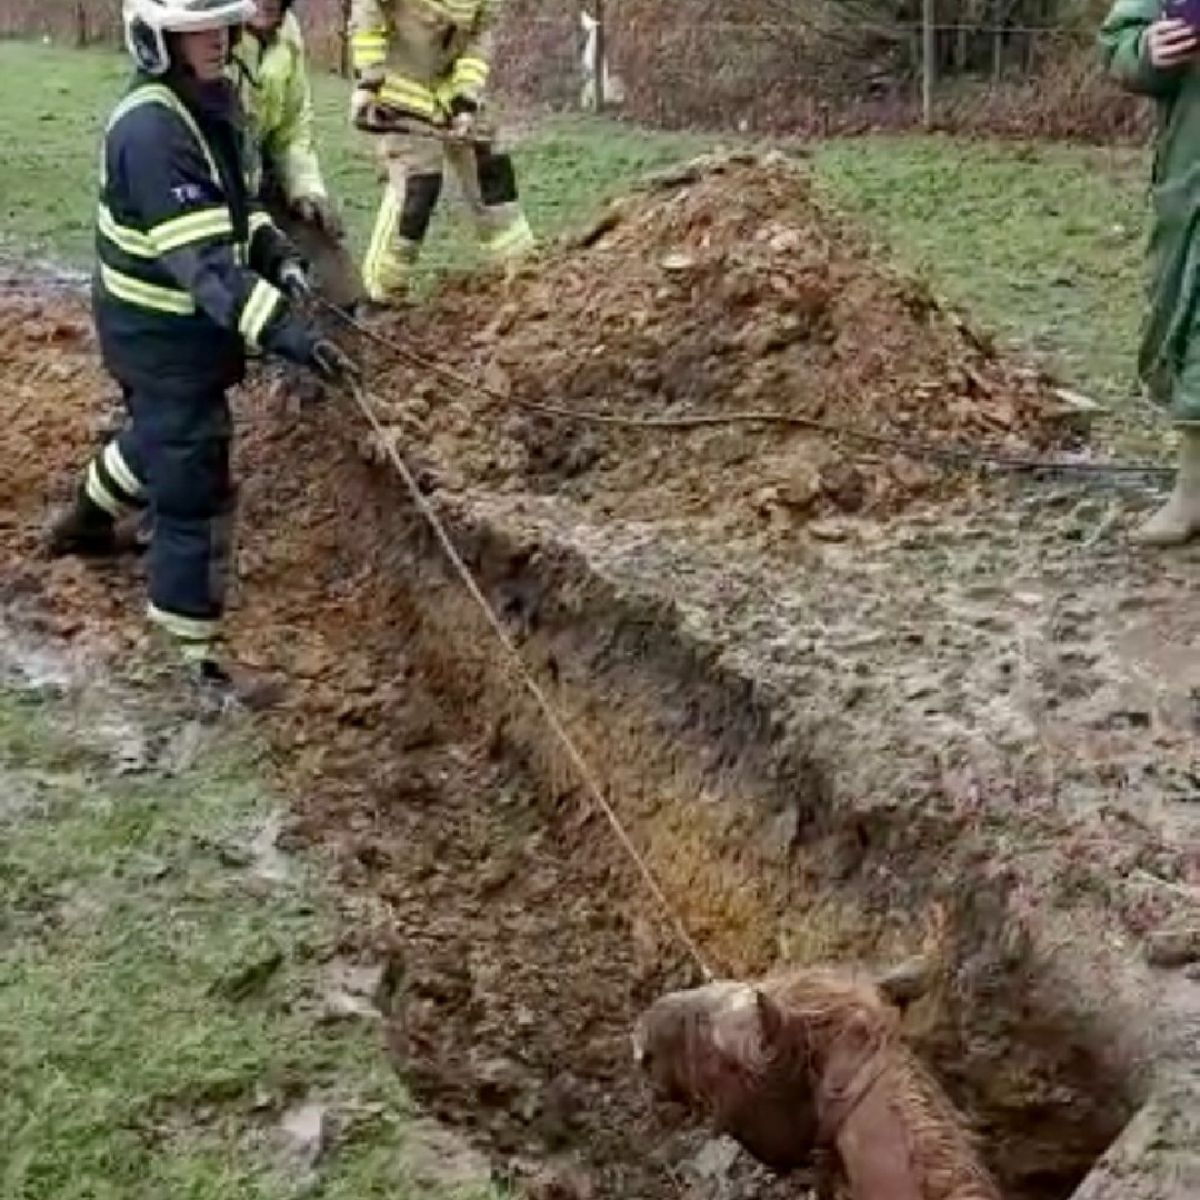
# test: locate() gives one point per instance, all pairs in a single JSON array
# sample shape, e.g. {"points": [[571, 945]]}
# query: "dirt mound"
{"points": [[54, 407], [726, 287]]}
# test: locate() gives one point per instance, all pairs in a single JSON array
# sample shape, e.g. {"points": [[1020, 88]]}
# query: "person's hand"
{"points": [[320, 213], [1171, 42], [332, 363], [294, 281]]}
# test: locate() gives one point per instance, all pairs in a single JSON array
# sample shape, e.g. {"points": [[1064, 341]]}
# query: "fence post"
{"points": [[928, 60], [601, 54]]}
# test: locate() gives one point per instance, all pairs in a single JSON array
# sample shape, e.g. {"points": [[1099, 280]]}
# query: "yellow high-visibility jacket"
{"points": [[427, 51], [273, 80]]}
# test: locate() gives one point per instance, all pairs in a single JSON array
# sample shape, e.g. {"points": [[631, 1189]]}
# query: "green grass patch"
{"points": [[1043, 244], [142, 1056], [53, 104]]}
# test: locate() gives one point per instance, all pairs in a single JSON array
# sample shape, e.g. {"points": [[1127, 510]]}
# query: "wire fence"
{"points": [[801, 66]]}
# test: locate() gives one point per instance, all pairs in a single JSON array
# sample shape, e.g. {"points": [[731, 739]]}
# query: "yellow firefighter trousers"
{"points": [[415, 167]]}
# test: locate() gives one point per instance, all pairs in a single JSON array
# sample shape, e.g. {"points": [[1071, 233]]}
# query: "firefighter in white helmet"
{"points": [[271, 71], [191, 276], [428, 62]]}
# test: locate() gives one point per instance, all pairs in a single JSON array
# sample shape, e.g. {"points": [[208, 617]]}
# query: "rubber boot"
{"points": [[221, 688], [1178, 520], [84, 530]]}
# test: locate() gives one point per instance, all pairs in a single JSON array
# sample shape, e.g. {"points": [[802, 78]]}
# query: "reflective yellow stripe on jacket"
{"points": [[470, 74], [368, 48], [146, 295], [170, 235], [402, 92], [264, 302], [192, 227], [157, 93]]}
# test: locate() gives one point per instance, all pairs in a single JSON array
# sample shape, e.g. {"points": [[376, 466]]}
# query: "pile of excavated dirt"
{"points": [[55, 408], [723, 287]]}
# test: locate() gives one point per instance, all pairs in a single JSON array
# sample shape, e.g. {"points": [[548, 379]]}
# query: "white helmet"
{"points": [[147, 22]]}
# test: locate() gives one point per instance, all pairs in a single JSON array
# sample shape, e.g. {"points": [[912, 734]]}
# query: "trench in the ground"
{"points": [[525, 941]]}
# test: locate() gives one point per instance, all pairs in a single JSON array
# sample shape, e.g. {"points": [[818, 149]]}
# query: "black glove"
{"points": [[463, 114], [332, 363], [460, 105], [294, 281]]}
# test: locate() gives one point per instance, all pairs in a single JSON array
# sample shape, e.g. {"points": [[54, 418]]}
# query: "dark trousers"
{"points": [[173, 456]]}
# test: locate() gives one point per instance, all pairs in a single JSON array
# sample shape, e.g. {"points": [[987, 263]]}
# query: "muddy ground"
{"points": [[917, 713], [516, 978]]}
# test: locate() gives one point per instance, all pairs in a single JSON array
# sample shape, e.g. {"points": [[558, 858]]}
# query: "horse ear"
{"points": [[770, 1019], [738, 1029]]}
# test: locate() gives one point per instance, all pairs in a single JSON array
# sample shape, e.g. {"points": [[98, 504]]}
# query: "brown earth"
{"points": [[520, 975], [724, 287], [954, 720]]}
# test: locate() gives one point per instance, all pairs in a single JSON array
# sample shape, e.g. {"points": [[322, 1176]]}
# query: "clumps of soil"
{"points": [[50, 370], [723, 287], [56, 406]]}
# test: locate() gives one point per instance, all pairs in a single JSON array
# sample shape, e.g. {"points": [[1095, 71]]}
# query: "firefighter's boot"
{"points": [[221, 688], [1178, 520], [84, 530]]}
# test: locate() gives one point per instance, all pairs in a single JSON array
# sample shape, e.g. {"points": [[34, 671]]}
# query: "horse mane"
{"points": [[829, 1006]]}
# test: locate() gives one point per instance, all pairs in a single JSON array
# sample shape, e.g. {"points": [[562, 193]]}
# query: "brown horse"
{"points": [[812, 1061]]}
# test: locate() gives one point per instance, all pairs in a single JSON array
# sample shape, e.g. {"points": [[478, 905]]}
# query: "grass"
{"points": [[133, 1066], [53, 104], [1042, 244]]}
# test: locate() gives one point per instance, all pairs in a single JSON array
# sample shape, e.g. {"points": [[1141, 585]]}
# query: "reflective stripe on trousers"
{"points": [[502, 229], [174, 455]]}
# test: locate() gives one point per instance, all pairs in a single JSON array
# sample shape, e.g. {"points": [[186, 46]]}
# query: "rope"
{"points": [[586, 774], [958, 455]]}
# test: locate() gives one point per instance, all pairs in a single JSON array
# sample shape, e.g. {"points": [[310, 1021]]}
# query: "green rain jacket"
{"points": [[1169, 359], [273, 80]]}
